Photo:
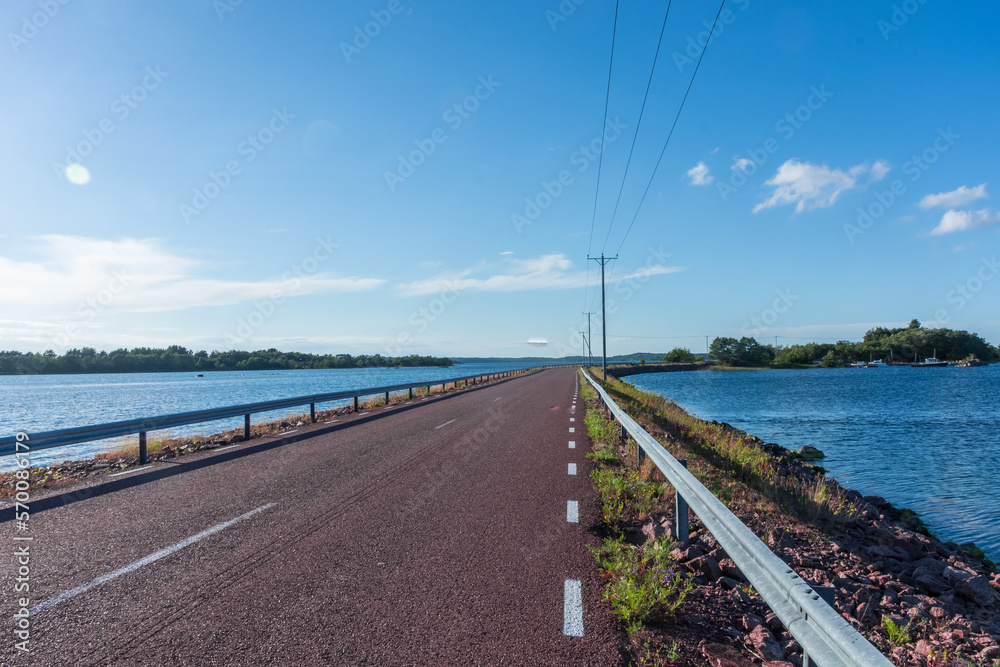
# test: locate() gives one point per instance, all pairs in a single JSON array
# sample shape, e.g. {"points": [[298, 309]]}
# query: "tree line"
{"points": [[180, 359], [900, 345]]}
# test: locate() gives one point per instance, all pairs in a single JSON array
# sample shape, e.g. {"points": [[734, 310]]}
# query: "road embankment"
{"points": [[920, 600]]}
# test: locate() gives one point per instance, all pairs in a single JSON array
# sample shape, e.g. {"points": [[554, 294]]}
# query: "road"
{"points": [[433, 533]]}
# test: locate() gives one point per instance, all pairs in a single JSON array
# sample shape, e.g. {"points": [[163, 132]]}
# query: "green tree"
{"points": [[679, 355], [743, 352]]}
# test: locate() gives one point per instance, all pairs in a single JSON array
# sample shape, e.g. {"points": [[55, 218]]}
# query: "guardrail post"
{"points": [[246, 427], [829, 595], [355, 403], [387, 398], [312, 412], [142, 448], [411, 393], [681, 510]]}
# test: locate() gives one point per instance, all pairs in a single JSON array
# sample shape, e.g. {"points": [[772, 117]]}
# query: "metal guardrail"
{"points": [[75, 436], [826, 638]]}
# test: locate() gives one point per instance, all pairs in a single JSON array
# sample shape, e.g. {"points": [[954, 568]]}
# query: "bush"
{"points": [[679, 355]]}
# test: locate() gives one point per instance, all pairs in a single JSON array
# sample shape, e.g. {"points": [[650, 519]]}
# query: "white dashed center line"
{"points": [[572, 511], [572, 470], [573, 608], [572, 444], [572, 430]]}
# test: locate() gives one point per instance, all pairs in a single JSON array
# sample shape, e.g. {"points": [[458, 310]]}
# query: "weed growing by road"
{"points": [[626, 494], [643, 583], [898, 634]]}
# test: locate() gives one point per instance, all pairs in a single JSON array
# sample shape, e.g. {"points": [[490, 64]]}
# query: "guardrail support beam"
{"points": [[387, 398], [355, 403], [143, 459], [246, 427], [312, 412], [411, 393], [681, 510]]}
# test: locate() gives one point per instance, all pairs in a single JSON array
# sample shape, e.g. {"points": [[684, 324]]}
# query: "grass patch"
{"points": [[643, 583], [605, 456]]}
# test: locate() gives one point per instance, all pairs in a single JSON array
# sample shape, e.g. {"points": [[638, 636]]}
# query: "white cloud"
{"points": [[741, 163], [879, 170], [960, 197], [507, 252], [136, 275], [960, 221], [547, 272], [811, 186], [699, 174]]}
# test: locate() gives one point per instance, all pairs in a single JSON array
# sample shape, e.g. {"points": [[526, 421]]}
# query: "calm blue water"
{"points": [[37, 403], [923, 438]]}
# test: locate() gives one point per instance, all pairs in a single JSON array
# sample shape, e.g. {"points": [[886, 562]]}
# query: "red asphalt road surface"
{"points": [[433, 533]]}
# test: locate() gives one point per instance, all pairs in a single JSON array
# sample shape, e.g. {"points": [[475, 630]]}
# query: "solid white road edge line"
{"points": [[132, 567], [573, 608], [129, 472]]}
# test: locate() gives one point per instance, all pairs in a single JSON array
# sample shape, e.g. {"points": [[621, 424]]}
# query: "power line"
{"points": [[600, 159], [635, 136], [660, 337], [674, 126]]}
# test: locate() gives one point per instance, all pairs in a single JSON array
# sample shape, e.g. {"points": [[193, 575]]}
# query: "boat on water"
{"points": [[967, 363], [868, 364], [929, 362]]}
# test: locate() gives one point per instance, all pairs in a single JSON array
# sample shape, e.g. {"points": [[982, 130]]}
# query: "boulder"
{"points": [[751, 622], [707, 566], [764, 643], [808, 453], [977, 589], [720, 655]]}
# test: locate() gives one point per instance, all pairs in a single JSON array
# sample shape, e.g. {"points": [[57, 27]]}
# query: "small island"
{"points": [[892, 346], [176, 359]]}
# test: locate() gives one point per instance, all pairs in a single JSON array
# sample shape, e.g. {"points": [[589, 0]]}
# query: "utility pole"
{"points": [[583, 335], [604, 315], [590, 350]]}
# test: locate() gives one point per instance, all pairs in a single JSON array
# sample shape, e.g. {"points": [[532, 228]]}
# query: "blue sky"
{"points": [[245, 174]]}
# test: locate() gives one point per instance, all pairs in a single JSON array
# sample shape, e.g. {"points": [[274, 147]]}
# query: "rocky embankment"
{"points": [[888, 574]]}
